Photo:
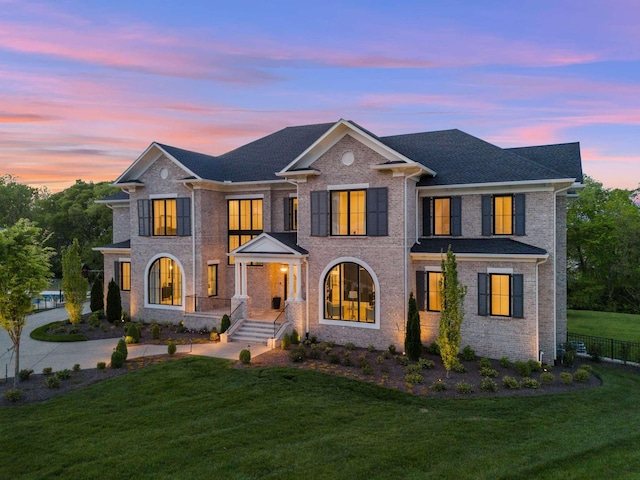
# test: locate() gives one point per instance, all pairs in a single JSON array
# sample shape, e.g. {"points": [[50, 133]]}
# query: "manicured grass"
{"points": [[620, 326], [42, 333], [200, 418]]}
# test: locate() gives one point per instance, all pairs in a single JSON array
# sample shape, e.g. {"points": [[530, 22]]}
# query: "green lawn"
{"points": [[621, 326], [199, 418]]}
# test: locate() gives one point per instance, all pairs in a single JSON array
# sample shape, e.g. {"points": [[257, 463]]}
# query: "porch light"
{"points": [[283, 269]]}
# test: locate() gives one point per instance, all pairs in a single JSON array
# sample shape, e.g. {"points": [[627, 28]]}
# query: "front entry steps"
{"points": [[254, 332]]}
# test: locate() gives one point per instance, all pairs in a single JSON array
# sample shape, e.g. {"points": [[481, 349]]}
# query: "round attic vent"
{"points": [[348, 158], [164, 173]]}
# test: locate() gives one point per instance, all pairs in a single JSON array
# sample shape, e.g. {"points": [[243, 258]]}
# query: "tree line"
{"points": [[62, 217]]}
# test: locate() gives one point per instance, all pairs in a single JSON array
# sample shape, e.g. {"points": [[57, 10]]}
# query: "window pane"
{"points": [[442, 216], [125, 276], [294, 214], [234, 215], [500, 295], [158, 217], [349, 294], [339, 213], [256, 214], [212, 280], [165, 282], [503, 215], [245, 214], [357, 212], [433, 286], [171, 217], [332, 294]]}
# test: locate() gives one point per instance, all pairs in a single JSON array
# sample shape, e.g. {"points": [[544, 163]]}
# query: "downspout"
{"points": [[538, 263], [406, 247]]}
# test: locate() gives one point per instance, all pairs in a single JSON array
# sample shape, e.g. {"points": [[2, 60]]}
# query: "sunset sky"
{"points": [[87, 85]]}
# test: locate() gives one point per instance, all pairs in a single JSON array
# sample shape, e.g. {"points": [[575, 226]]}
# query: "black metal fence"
{"points": [[608, 347]]}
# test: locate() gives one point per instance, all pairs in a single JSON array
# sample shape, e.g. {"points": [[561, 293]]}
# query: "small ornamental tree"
{"points": [[114, 303], [24, 273], [412, 342], [452, 294], [74, 285], [97, 296]]}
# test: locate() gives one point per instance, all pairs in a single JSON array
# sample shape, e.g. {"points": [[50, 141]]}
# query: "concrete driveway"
{"points": [[38, 355]]}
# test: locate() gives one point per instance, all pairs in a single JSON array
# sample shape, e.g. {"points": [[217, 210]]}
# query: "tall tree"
{"points": [[452, 294], [412, 341], [114, 302], [24, 273], [97, 295], [74, 285], [17, 200], [603, 249]]}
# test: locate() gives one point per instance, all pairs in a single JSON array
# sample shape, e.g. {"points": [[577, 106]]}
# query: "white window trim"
{"points": [[346, 323], [146, 284], [506, 271], [245, 197], [161, 196], [432, 269], [351, 186], [124, 260]]}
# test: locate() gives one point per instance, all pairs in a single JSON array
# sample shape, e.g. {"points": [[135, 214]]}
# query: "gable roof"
{"points": [[562, 157], [478, 247]]}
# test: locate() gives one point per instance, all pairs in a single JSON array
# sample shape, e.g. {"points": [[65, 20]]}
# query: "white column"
{"points": [[298, 268], [244, 278], [291, 281], [237, 272]]}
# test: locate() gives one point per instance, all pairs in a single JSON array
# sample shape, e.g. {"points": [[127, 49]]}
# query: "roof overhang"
{"points": [[335, 134], [108, 249], [265, 248], [553, 185], [481, 257]]}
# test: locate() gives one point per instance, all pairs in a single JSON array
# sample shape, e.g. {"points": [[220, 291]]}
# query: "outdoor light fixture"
{"points": [[283, 269]]}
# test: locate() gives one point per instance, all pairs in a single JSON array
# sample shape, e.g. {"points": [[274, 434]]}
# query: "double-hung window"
{"points": [[163, 217], [503, 214], [500, 295], [291, 214], [348, 213], [122, 274], [212, 280], [165, 220], [442, 216], [245, 222], [428, 290]]}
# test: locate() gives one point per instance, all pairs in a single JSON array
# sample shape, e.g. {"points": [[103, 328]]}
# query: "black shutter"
{"points": [[377, 212], [319, 213], [287, 214], [420, 290], [144, 218], [487, 221], [456, 216], [520, 216], [518, 296], [116, 273], [184, 216], [426, 216], [483, 294]]}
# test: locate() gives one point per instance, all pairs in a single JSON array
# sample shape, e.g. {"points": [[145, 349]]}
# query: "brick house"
{"points": [[340, 225]]}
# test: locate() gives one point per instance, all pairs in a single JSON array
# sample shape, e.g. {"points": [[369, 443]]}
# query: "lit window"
{"points": [[245, 222], [442, 216], [293, 214], [503, 215], [165, 282], [433, 291], [165, 220], [348, 212], [212, 280], [500, 289], [125, 276], [349, 294]]}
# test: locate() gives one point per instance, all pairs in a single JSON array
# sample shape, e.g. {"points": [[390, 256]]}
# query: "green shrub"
{"points": [[295, 338], [569, 355], [214, 337], [438, 386], [362, 360], [25, 374], [171, 348], [346, 359], [464, 387], [313, 339], [52, 382], [385, 354], [328, 350], [547, 378], [587, 367], [413, 378], [117, 359], [101, 365], [333, 358], [96, 302], [434, 349], [414, 368], [331, 344], [367, 369], [63, 374], [528, 382], [402, 360], [484, 362], [380, 359], [595, 350], [95, 317], [371, 348], [286, 342], [133, 332], [47, 370], [129, 340], [459, 368], [155, 331], [510, 383], [426, 364], [625, 352], [534, 365], [114, 302], [488, 385], [566, 377], [581, 375], [298, 354], [349, 346], [314, 352], [505, 362], [225, 323], [13, 395], [488, 372], [76, 367], [392, 349], [523, 368], [122, 348], [245, 356], [412, 339], [468, 354]]}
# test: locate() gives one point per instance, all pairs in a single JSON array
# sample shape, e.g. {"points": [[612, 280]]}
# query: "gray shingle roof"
{"points": [[112, 246], [481, 246], [116, 197], [563, 157]]}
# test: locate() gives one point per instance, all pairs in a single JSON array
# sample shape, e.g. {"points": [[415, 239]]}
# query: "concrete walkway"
{"points": [[38, 355]]}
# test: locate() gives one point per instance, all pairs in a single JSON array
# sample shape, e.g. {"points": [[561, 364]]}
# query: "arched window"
{"points": [[349, 294], [165, 282]]}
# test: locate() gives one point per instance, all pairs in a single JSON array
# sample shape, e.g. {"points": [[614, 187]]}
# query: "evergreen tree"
{"points": [[452, 294], [97, 296], [412, 342], [114, 303], [74, 285]]}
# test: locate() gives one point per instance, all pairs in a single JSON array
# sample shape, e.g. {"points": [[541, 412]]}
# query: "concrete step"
{"points": [[254, 332]]}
